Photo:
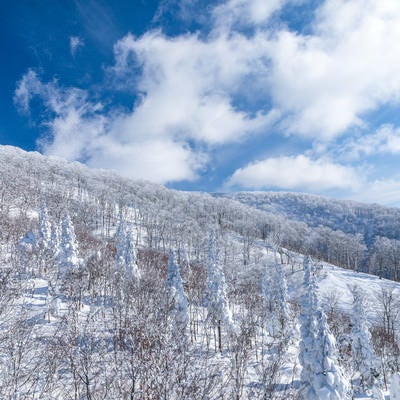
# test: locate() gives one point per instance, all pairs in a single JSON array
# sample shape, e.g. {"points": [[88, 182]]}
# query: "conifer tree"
{"points": [[175, 295], [321, 376], [364, 359], [120, 242], [217, 302], [129, 257], [55, 240], [68, 255], [44, 239], [125, 256], [276, 300]]}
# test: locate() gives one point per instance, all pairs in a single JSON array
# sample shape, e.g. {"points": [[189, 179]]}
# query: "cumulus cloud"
{"points": [[189, 84], [187, 87], [299, 172], [78, 129], [327, 80], [244, 75], [321, 84], [157, 160], [244, 13]]}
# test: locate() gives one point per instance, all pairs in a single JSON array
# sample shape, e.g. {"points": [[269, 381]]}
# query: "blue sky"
{"points": [[290, 95]]}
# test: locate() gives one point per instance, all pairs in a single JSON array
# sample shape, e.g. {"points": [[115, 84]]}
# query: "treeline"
{"points": [[167, 218]]}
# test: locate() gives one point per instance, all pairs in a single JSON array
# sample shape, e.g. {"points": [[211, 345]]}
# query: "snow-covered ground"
{"points": [[335, 287]]}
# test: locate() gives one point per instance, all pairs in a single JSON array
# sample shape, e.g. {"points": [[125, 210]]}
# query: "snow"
{"points": [[395, 387], [47, 312]]}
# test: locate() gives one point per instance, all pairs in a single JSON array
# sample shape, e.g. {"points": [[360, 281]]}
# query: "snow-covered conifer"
{"points": [[120, 242], [217, 302], [321, 376], [68, 255], [27, 250], [55, 240], [44, 229], [176, 298], [330, 382], [266, 291], [125, 256], [308, 330], [276, 300], [129, 257], [364, 359]]}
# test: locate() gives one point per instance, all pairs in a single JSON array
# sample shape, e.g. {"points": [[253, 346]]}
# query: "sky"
{"points": [[224, 95]]}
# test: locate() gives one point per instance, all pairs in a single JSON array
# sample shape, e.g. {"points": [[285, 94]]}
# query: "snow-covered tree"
{"points": [[125, 256], [176, 298], [321, 375], [129, 254], [55, 240], [27, 250], [276, 300], [44, 234], [68, 254], [308, 329], [364, 360], [216, 299], [120, 241]]}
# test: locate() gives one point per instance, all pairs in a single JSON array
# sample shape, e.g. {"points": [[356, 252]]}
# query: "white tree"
{"points": [[176, 298], [55, 240], [129, 256], [276, 300], [44, 239], [27, 250], [68, 254], [321, 376], [125, 256], [308, 330], [217, 302], [120, 242], [364, 359]]}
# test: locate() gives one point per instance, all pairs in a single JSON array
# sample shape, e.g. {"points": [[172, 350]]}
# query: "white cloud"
{"points": [[381, 191], [316, 85], [386, 140], [349, 65], [27, 87], [245, 12], [317, 176], [157, 160], [189, 84], [297, 173], [322, 83], [78, 129], [74, 43]]}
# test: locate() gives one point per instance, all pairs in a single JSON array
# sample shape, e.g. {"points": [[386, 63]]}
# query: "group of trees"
{"points": [[127, 290], [115, 322], [351, 235], [122, 321]]}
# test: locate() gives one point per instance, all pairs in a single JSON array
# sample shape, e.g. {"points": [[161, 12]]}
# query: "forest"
{"points": [[119, 289]]}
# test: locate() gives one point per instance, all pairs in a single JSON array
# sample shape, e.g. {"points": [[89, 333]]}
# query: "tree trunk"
{"points": [[219, 336]]}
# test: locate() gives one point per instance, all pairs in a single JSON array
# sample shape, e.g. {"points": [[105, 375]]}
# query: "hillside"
{"points": [[118, 289], [372, 231], [352, 217]]}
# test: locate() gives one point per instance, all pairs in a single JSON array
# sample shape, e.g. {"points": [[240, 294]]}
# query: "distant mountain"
{"points": [[351, 217]]}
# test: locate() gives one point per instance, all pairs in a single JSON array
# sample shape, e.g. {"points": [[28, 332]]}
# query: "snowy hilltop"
{"points": [[118, 289]]}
